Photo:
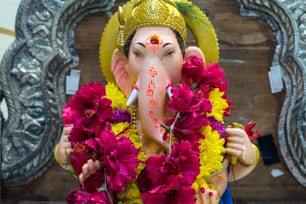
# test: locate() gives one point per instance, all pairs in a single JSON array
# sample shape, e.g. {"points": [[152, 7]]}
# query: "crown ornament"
{"points": [[150, 13]]}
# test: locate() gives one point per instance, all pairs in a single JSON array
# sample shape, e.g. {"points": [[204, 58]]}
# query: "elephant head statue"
{"points": [[148, 59]]}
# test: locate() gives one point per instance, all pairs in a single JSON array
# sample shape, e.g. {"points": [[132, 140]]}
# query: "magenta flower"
{"points": [[183, 163], [80, 196], [143, 181], [122, 116], [68, 115], [253, 135], [172, 193], [185, 100], [118, 158], [214, 75], [172, 176], [88, 108], [78, 134], [181, 100], [188, 127], [121, 164], [195, 74], [79, 157], [216, 125], [192, 70], [81, 152], [188, 160], [94, 182]]}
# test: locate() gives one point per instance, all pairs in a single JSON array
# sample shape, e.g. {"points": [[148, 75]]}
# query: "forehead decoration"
{"points": [[154, 42], [175, 14]]}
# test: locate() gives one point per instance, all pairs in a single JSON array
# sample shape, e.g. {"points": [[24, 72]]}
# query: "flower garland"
{"points": [[103, 130]]}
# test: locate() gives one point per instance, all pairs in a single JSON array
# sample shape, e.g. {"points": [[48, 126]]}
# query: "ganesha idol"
{"points": [[171, 148]]}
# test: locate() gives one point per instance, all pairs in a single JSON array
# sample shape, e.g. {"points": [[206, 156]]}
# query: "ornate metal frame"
{"points": [[287, 20], [33, 72]]}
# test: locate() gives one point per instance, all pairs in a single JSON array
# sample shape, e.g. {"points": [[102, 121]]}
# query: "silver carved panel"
{"points": [[287, 19], [32, 83], [34, 67]]}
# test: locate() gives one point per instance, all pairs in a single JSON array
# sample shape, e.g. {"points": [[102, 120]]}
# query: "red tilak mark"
{"points": [[150, 89], [151, 114], [154, 42], [150, 92], [152, 84], [161, 130], [153, 103], [202, 189], [152, 72], [155, 120]]}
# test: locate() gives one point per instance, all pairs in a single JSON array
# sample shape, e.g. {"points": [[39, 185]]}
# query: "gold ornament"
{"points": [[120, 26], [150, 13]]}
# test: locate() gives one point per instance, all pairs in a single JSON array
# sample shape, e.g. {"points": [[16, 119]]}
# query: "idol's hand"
{"points": [[239, 145], [207, 196], [63, 149], [88, 169]]}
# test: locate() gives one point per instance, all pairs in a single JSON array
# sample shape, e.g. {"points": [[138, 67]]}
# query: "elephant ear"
{"points": [[194, 51], [122, 77]]}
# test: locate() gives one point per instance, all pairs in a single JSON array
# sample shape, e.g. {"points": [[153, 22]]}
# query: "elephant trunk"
{"points": [[153, 87]]}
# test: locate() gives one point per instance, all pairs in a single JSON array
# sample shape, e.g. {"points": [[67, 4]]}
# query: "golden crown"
{"points": [[148, 13]]}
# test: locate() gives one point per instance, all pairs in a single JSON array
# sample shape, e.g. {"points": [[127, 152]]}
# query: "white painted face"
{"points": [[158, 48]]}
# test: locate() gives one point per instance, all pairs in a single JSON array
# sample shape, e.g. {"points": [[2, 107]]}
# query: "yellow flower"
{"points": [[119, 127], [118, 99], [131, 195], [219, 104], [211, 155]]}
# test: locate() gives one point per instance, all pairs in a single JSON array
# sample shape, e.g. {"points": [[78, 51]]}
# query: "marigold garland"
{"points": [[211, 151]]}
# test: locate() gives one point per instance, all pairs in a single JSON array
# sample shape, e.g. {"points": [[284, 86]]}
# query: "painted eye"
{"points": [[137, 53], [169, 53]]}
